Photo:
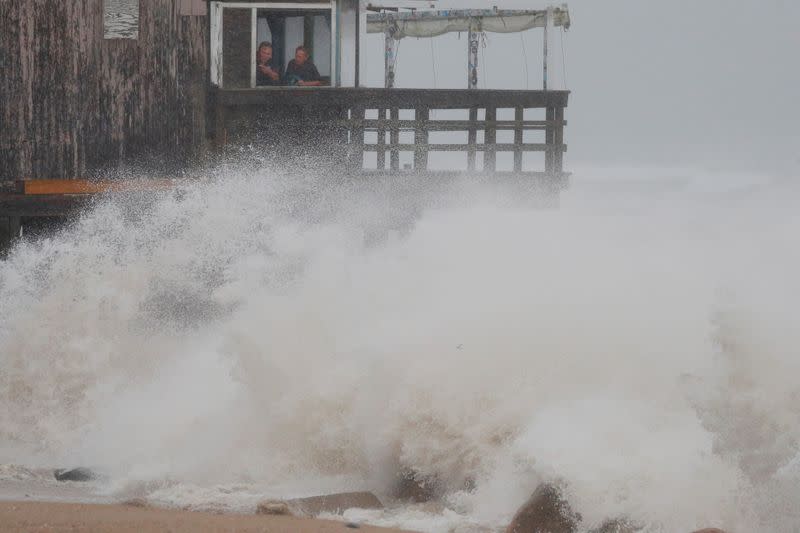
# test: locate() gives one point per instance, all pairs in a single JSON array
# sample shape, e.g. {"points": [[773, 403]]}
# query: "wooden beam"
{"points": [[488, 148], [466, 125], [53, 205], [401, 98], [83, 186]]}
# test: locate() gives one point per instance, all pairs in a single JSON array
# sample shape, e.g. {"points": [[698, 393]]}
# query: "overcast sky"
{"points": [[714, 83]]}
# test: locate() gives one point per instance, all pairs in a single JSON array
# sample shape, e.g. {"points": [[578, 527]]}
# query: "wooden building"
{"points": [[88, 85]]}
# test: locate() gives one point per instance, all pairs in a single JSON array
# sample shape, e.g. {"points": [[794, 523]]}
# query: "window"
{"points": [[121, 19], [288, 30], [253, 44]]}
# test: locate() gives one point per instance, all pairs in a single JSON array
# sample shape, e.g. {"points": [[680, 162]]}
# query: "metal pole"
{"points": [[472, 59], [546, 43], [390, 49]]}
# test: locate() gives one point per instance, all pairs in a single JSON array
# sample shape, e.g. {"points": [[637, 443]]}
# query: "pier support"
{"points": [[9, 232]]}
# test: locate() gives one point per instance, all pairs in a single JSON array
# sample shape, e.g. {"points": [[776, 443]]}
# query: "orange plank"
{"points": [[81, 186]]}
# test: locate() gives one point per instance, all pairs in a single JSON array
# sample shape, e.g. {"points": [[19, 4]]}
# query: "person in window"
{"points": [[301, 71], [267, 73]]}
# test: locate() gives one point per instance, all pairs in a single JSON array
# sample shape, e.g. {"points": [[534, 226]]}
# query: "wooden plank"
{"points": [[83, 186], [422, 116]]}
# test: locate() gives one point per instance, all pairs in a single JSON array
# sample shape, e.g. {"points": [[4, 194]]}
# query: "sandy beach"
{"points": [[36, 517]]}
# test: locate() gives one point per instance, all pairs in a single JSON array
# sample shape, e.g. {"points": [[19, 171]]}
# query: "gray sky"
{"points": [[713, 83]]}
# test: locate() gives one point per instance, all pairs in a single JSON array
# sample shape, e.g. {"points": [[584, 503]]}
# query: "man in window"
{"points": [[266, 71], [301, 71]]}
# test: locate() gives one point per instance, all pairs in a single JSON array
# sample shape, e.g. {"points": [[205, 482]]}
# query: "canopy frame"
{"points": [[428, 24]]}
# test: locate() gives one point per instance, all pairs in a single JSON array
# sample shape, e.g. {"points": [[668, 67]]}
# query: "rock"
{"points": [[545, 512], [617, 525], [352, 525], [334, 503], [76, 474], [710, 530], [136, 502], [415, 488], [273, 507]]}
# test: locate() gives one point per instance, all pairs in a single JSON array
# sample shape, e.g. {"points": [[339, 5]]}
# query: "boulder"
{"points": [[136, 502], [413, 487], [76, 474], [546, 511], [316, 505], [273, 507], [334, 503]]}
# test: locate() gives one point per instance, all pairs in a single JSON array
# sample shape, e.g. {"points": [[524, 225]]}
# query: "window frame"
{"points": [[216, 42]]}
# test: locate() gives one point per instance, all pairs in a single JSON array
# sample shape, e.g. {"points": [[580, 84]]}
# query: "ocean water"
{"points": [[257, 335]]}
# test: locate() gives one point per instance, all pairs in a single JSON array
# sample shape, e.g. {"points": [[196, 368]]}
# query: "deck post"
{"points": [[519, 117], [550, 141], [381, 139], [394, 138], [558, 140], [220, 131], [357, 137], [490, 140], [14, 227], [9, 232], [472, 139], [5, 234], [421, 116]]}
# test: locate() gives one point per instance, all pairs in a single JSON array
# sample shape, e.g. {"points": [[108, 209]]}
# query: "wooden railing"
{"points": [[394, 112]]}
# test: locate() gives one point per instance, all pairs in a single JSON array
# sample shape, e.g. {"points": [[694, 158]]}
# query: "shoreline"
{"points": [[35, 516]]}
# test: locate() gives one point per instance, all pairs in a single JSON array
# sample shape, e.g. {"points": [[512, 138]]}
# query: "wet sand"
{"points": [[40, 517]]}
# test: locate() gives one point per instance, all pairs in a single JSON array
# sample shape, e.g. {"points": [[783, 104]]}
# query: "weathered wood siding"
{"points": [[72, 102]]}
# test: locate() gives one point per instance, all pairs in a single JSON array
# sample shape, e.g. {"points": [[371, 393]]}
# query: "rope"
{"points": [[433, 64], [484, 42], [564, 59], [525, 62]]}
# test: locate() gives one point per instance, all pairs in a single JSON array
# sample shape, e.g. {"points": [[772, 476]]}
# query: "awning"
{"points": [[433, 23]]}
